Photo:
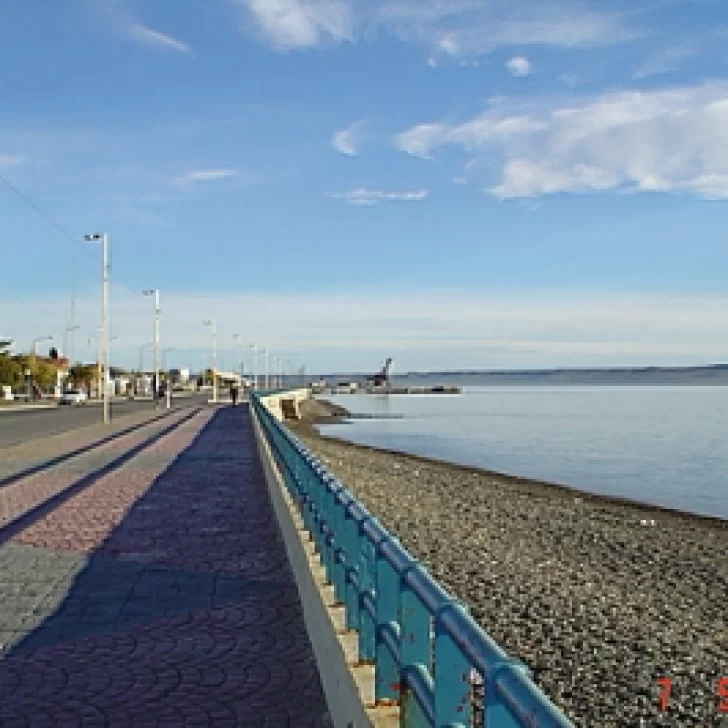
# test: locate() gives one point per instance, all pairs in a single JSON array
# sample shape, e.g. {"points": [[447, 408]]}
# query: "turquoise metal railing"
{"points": [[422, 642]]}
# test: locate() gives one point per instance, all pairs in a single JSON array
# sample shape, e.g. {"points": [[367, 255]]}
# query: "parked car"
{"points": [[73, 396]]}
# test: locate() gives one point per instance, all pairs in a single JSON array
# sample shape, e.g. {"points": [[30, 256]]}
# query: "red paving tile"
{"points": [[86, 519]]}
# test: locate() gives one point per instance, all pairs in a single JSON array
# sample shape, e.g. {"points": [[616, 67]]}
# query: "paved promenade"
{"points": [[155, 591]]}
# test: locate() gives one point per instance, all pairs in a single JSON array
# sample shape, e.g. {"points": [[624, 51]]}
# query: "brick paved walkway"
{"points": [[158, 595]]}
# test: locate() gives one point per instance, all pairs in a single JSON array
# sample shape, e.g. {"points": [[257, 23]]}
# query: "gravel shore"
{"points": [[599, 598]]}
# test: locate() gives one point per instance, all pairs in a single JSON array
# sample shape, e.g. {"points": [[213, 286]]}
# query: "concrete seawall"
{"points": [[348, 686]]}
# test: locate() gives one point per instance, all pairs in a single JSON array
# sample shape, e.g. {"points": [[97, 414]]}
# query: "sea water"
{"points": [[659, 445]]}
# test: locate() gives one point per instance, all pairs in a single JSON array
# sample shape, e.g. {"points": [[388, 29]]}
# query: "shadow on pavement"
{"points": [[187, 614]]}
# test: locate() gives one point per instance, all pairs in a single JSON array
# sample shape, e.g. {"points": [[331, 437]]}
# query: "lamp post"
{"points": [[239, 342], [265, 351], [254, 347], [157, 312], [98, 354], [66, 347], [103, 238], [213, 328], [36, 341]]}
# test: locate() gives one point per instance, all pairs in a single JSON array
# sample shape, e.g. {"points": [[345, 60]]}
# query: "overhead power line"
{"points": [[37, 209]]}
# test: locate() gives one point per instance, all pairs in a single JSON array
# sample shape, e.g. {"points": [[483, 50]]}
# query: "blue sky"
{"points": [[458, 183]]}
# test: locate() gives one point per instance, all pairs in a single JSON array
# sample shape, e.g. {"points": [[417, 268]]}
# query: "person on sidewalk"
{"points": [[234, 394]]}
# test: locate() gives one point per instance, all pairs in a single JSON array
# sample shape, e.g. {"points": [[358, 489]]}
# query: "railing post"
{"points": [[367, 575], [353, 583], [386, 669], [415, 648], [339, 550], [453, 691]]}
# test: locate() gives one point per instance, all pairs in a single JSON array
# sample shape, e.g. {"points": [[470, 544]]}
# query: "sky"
{"points": [[457, 184]]}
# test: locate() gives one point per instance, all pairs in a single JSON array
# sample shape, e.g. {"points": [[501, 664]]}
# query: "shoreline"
{"points": [[339, 416], [566, 490], [598, 596]]}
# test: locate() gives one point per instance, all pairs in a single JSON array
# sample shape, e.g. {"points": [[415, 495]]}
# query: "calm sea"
{"points": [[661, 445]]}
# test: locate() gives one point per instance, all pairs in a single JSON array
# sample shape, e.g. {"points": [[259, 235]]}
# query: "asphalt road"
{"points": [[25, 425]]}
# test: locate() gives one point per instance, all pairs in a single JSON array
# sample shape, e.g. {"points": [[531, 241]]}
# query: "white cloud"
{"points": [[462, 28], [203, 175], [570, 79], [668, 59], [155, 38], [347, 141], [431, 328], [449, 28], [10, 160], [293, 24], [519, 66], [665, 140], [117, 15], [421, 139], [364, 196]]}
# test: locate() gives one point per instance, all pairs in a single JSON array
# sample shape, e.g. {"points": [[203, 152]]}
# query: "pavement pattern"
{"points": [[158, 595]]}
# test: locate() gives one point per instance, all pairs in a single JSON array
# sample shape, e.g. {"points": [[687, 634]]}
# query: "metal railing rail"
{"points": [[422, 642]]}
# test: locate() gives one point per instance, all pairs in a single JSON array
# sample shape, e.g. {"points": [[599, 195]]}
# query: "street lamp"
{"points": [[98, 355], [164, 356], [37, 341], [155, 292], [239, 342], [103, 238], [66, 347], [254, 347], [213, 328], [265, 351]]}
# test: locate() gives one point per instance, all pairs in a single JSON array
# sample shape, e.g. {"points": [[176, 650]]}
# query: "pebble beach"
{"points": [[599, 598]]}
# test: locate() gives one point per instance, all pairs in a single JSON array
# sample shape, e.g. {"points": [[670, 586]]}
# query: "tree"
{"points": [[82, 376], [10, 371]]}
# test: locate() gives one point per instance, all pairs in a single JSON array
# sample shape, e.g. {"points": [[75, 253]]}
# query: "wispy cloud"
{"points": [[155, 38], [195, 176], [293, 24], [123, 21], [348, 141], [425, 329], [668, 59], [459, 29], [420, 140], [364, 196], [519, 66], [467, 28], [10, 160], [665, 140], [571, 79]]}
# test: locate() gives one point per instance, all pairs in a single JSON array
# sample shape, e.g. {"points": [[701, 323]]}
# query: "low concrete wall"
{"points": [[274, 402], [349, 687]]}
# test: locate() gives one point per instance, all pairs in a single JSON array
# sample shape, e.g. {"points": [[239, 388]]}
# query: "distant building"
{"points": [[179, 376]]}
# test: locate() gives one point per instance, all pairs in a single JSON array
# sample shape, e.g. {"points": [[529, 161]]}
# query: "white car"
{"points": [[73, 396]]}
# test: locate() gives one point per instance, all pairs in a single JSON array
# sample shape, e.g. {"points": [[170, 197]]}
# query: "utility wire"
{"points": [[35, 207], [63, 231]]}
